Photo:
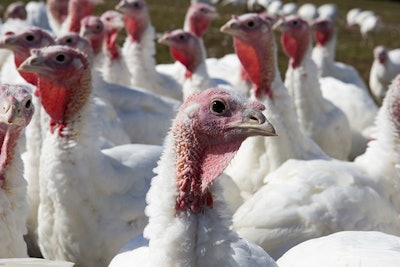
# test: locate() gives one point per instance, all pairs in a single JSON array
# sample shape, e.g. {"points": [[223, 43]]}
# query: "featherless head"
{"points": [[184, 47], [136, 15], [295, 37], [199, 17], [381, 54], [15, 10], [92, 28], [16, 106], [323, 30], [76, 41], [77, 10], [254, 44], [208, 130], [112, 20], [58, 9], [64, 81]]}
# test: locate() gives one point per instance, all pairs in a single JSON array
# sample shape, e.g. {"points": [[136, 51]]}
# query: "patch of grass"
{"points": [[169, 14]]}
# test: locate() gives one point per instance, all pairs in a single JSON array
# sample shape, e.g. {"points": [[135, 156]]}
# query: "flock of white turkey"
{"points": [[109, 159]]}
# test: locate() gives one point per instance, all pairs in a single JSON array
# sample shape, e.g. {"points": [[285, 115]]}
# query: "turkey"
{"points": [[385, 67], [146, 117], [369, 26], [114, 68], [187, 221], [186, 48], [37, 14], [308, 12], [308, 199], [139, 50], [346, 248], [328, 11], [77, 10], [258, 155], [351, 16], [343, 86], [321, 120], [91, 200], [197, 20], [16, 113], [15, 10], [57, 12]]}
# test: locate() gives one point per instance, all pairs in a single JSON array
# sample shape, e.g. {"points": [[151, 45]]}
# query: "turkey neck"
{"points": [[198, 163], [258, 60], [111, 45], [296, 49], [135, 27], [63, 102], [9, 136], [77, 11]]}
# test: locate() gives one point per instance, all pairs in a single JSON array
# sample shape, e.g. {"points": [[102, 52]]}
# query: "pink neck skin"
{"points": [[190, 60], [258, 63], [199, 163], [111, 45], [294, 48], [134, 28], [77, 14], [96, 44], [8, 141], [322, 36], [28, 76], [198, 26]]}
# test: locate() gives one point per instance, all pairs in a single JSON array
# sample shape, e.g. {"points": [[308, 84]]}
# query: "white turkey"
{"points": [[146, 117], [346, 248], [321, 120], [15, 114], [197, 20], [308, 12], [307, 199], [114, 68], [255, 46], [77, 10], [91, 200], [139, 51], [343, 86], [188, 225], [385, 67], [351, 15], [328, 11], [370, 26], [57, 12], [186, 48], [37, 14]]}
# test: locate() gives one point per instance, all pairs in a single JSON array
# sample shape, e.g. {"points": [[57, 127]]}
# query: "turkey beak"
{"points": [[7, 40], [12, 112], [34, 63], [121, 6], [231, 27], [279, 25], [164, 39], [255, 123]]}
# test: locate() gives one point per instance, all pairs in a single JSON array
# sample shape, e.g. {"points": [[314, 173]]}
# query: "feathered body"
{"points": [[258, 156], [91, 200], [139, 51], [307, 199], [385, 67], [16, 113], [347, 248], [196, 232], [321, 120]]}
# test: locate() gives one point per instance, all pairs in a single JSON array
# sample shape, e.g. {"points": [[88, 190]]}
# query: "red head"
{"points": [[324, 30], [199, 17], [21, 44], [184, 47], [254, 44], [92, 28], [136, 15], [295, 38], [381, 54], [208, 130], [15, 10], [64, 81], [113, 22]]}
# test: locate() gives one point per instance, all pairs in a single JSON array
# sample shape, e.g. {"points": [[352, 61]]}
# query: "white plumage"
{"points": [[187, 222], [328, 11], [308, 11], [348, 248], [343, 86], [16, 113], [307, 199], [139, 50], [91, 200], [321, 120], [33, 262], [258, 155], [385, 67]]}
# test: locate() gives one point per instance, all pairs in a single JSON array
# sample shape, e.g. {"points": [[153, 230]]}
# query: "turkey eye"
{"points": [[68, 41], [218, 106], [30, 37], [181, 37], [28, 104], [202, 10], [136, 5], [250, 24], [60, 58]]}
